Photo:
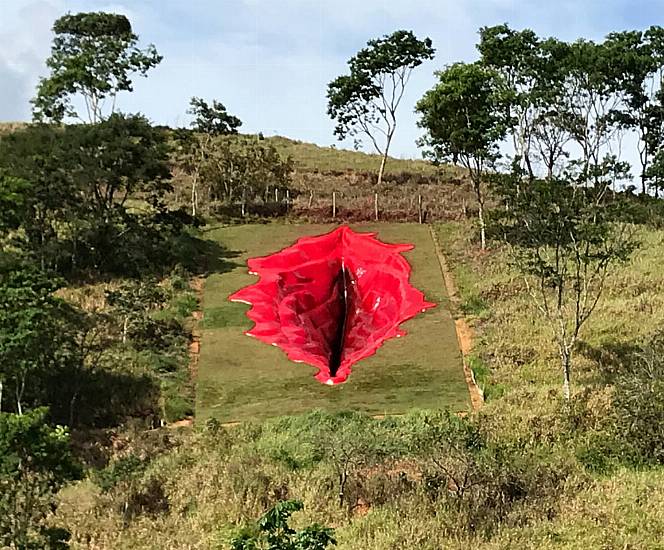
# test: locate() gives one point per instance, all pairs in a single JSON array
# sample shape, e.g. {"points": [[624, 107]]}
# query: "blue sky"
{"points": [[269, 61]]}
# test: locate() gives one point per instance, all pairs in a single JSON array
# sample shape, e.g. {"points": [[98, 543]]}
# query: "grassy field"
{"points": [[240, 378], [308, 156]]}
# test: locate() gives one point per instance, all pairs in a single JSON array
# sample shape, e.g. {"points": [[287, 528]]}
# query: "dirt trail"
{"points": [[465, 333], [196, 285]]}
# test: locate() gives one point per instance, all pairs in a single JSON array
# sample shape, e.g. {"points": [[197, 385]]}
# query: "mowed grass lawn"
{"points": [[241, 378]]}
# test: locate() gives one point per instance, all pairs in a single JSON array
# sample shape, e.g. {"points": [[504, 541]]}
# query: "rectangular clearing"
{"points": [[241, 378]]}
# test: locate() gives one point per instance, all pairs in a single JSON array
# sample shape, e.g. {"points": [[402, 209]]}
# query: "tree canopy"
{"points": [[465, 120], [366, 100], [93, 56], [212, 119]]}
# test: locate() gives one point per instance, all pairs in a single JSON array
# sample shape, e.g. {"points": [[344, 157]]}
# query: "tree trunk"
{"points": [[480, 213], [124, 329], [72, 407], [194, 195], [19, 407], [383, 161], [565, 360]]}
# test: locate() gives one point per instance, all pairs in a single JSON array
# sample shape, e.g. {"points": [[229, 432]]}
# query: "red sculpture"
{"points": [[331, 300]]}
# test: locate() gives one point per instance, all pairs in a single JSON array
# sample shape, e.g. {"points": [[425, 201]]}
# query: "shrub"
{"points": [[272, 531], [638, 407]]}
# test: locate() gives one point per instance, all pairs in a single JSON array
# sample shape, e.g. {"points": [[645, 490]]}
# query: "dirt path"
{"points": [[465, 333], [196, 285]]}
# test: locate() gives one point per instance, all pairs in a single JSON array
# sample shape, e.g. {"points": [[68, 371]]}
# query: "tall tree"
{"points": [[640, 56], [587, 106], [94, 56], [465, 118], [214, 119], [366, 100], [533, 72]]}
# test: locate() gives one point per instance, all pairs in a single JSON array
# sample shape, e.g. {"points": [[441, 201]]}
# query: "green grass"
{"points": [[240, 378], [308, 156]]}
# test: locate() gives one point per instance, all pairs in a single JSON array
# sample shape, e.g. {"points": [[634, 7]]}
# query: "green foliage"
{"points": [[366, 100], [464, 116], [75, 208], [12, 202], [273, 532], [213, 119], [638, 407], [94, 55], [36, 332], [150, 322], [232, 170], [122, 470], [35, 461], [465, 120]]}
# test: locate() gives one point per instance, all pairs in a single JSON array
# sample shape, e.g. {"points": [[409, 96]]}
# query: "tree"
{"points": [[35, 156], [213, 119], [366, 100], [35, 462], [465, 119], [533, 72], [565, 237], [12, 202], [78, 181], [34, 329], [192, 151], [640, 57], [274, 533], [242, 169], [94, 55], [115, 160]]}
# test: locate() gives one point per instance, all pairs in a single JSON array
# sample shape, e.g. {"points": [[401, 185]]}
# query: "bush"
{"points": [[35, 462], [638, 407], [481, 483], [273, 531]]}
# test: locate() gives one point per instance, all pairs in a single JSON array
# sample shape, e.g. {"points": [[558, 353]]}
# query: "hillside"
{"points": [[545, 475], [319, 172], [526, 470], [311, 157]]}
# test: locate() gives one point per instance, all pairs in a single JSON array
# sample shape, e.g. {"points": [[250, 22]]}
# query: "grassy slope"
{"points": [[240, 378], [308, 156], [209, 493], [621, 511]]}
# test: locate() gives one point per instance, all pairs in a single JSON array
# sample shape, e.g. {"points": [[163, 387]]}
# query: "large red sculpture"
{"points": [[331, 300]]}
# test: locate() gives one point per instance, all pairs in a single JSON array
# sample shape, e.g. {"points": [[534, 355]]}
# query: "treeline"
{"points": [[95, 264]]}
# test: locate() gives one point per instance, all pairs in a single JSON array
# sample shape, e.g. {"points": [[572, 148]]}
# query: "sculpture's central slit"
{"points": [[332, 300], [336, 349]]}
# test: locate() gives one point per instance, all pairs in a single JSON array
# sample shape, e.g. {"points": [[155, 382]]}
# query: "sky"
{"points": [[269, 61]]}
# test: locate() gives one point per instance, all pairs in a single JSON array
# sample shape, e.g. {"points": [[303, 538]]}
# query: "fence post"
{"points": [[419, 208], [276, 194], [311, 198], [334, 204]]}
